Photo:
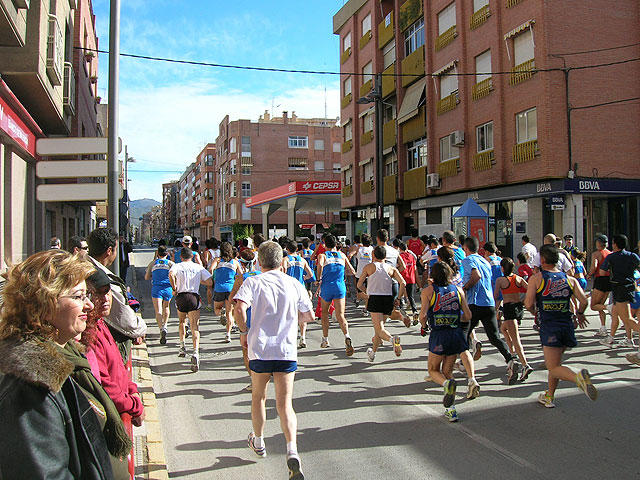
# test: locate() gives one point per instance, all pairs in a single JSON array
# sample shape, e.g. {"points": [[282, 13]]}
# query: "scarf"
{"points": [[118, 441]]}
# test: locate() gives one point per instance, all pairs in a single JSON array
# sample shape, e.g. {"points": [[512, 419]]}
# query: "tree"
{"points": [[241, 231]]}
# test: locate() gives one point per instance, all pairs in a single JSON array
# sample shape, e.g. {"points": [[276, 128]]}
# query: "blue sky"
{"points": [[168, 112]]}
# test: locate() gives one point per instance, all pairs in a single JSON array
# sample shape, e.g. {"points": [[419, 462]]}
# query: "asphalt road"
{"points": [[382, 420]]}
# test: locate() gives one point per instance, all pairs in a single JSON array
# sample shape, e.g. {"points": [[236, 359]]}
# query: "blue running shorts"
{"points": [[333, 292], [270, 366], [447, 341], [165, 293], [558, 335]]}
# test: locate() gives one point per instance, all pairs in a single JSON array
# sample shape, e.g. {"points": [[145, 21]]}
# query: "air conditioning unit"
{"points": [[433, 180], [456, 139]]}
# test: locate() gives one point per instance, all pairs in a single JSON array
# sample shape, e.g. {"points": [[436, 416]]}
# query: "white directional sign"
{"points": [[73, 146], [71, 168], [73, 192]]}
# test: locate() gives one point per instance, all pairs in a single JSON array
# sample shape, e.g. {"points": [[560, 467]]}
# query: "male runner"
{"points": [[394, 259], [297, 267], [161, 292], [363, 258], [601, 283], [448, 240]]}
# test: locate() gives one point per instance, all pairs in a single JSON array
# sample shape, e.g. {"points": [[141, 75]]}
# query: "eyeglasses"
{"points": [[84, 248], [79, 298]]}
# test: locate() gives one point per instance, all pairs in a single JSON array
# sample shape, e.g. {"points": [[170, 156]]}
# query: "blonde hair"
{"points": [[31, 291]]}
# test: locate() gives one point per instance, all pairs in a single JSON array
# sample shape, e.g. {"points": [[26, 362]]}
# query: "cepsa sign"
{"points": [[318, 187]]}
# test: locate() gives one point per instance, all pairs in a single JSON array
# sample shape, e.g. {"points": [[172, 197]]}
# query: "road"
{"points": [[382, 420]]}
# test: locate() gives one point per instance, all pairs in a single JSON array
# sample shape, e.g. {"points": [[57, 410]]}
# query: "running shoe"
{"points": [[545, 399], [416, 319], [235, 329], [451, 414], [474, 389], [633, 358], [195, 362], [302, 343], [248, 388], [348, 346], [208, 308], [397, 348], [583, 379], [626, 343], [182, 351], [293, 463], [371, 355], [163, 337], [227, 338], [607, 341], [460, 366], [524, 374], [261, 452], [602, 332], [405, 319], [223, 318], [187, 331], [365, 312], [449, 392], [477, 349], [513, 369], [356, 302], [325, 343]]}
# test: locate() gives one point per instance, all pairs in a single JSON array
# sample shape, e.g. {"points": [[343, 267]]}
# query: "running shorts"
{"points": [[419, 269], [447, 341], [333, 292], [583, 283], [380, 304], [271, 366], [220, 296], [636, 302], [624, 292], [187, 302], [602, 283], [165, 293], [558, 335], [513, 311]]}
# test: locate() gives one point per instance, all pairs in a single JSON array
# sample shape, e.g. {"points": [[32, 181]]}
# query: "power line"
{"points": [[595, 50], [613, 102]]}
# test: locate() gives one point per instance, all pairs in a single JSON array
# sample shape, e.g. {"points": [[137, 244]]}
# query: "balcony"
{"points": [[445, 38], [522, 72], [366, 187], [55, 52], [479, 17], [481, 89], [347, 191], [346, 100], [484, 160], [525, 151], [416, 127], [410, 11], [13, 22], [449, 168], [69, 89], [447, 103], [511, 3], [366, 88], [390, 191], [389, 134], [389, 80], [345, 56], [415, 183], [366, 137], [385, 31], [365, 39], [412, 65], [346, 146]]}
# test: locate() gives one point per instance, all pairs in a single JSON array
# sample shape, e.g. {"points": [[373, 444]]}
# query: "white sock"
{"points": [[292, 448], [472, 380], [347, 336], [259, 442], [325, 338]]}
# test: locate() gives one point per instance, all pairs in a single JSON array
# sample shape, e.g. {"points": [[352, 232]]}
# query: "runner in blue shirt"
{"points": [[226, 268], [161, 291], [448, 240], [297, 267]]}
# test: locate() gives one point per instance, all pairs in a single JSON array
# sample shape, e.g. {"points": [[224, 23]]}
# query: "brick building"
{"points": [[170, 210], [467, 114], [254, 157]]}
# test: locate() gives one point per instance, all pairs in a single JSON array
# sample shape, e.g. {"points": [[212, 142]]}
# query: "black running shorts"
{"points": [[602, 283], [187, 302], [380, 304]]}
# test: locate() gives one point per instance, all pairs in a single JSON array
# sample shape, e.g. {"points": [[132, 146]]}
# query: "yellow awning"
{"points": [[519, 29], [411, 101]]}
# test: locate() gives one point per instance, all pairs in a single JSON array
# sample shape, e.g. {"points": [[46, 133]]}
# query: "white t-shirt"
{"points": [[275, 299], [564, 265], [188, 276], [530, 251]]}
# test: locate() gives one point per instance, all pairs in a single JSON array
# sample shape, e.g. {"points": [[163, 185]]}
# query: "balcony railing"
{"points": [[385, 32], [481, 89], [345, 55], [366, 137], [412, 65], [447, 103], [525, 151], [347, 190], [479, 17], [390, 184], [511, 3], [522, 72], [346, 100], [366, 187], [416, 127], [346, 146], [449, 168], [55, 52], [69, 89], [445, 38], [484, 160], [389, 134], [415, 183], [365, 39], [366, 88], [389, 80]]}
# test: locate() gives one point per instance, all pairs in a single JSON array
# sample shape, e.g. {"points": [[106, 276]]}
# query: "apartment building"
{"points": [[205, 207], [256, 156], [489, 99], [170, 210], [188, 217]]}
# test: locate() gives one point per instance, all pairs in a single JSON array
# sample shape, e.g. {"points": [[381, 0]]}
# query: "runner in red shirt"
{"points": [[415, 245], [409, 275]]}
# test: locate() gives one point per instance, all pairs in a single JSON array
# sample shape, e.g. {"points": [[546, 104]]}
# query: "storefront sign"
{"points": [[13, 126], [318, 187], [556, 202]]}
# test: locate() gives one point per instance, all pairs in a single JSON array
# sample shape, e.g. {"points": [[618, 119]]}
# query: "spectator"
{"points": [[55, 243], [528, 249], [78, 246]]}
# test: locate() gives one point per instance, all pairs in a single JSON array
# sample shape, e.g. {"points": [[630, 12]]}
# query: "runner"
{"points": [[378, 277], [601, 283], [565, 264], [393, 258], [226, 268], [492, 255], [185, 278], [306, 254], [331, 270], [444, 308], [477, 284], [297, 267], [161, 292], [415, 245], [552, 291], [430, 256], [409, 274], [186, 243], [363, 258], [448, 240], [279, 305]]}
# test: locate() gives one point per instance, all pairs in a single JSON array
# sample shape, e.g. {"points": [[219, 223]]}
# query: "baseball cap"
{"points": [[186, 239], [602, 239], [568, 237], [99, 279]]}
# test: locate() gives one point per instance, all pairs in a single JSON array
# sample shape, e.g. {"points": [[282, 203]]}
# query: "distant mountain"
{"points": [[137, 208]]}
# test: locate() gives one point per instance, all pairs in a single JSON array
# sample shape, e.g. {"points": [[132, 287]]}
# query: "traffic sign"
{"points": [[74, 146], [71, 168], [73, 192]]}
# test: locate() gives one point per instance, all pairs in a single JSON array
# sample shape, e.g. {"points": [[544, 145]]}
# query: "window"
{"points": [[348, 131], [233, 190], [318, 165], [478, 4], [483, 66], [389, 54], [246, 189], [346, 42], [246, 212], [348, 176], [232, 145], [433, 216], [367, 72], [298, 141], [367, 171], [297, 163], [367, 122], [318, 144], [208, 161], [447, 151], [417, 153], [336, 168], [447, 18], [414, 37], [366, 24], [336, 147], [246, 170], [448, 85], [246, 146], [388, 112], [232, 167], [523, 47], [484, 136], [233, 211], [526, 126], [390, 164], [346, 86]]}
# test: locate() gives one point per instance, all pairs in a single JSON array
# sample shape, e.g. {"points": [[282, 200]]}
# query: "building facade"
{"points": [[170, 210], [490, 99]]}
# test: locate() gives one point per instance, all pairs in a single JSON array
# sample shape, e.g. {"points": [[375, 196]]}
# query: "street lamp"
{"points": [[127, 160], [375, 97]]}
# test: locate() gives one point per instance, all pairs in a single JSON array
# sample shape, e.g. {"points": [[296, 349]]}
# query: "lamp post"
{"points": [[127, 160], [375, 97]]}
